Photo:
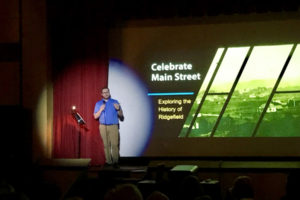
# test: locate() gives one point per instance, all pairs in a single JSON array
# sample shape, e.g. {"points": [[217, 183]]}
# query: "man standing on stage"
{"points": [[109, 111]]}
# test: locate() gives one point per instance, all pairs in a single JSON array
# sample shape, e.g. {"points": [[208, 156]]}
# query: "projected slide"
{"points": [[251, 92], [204, 90]]}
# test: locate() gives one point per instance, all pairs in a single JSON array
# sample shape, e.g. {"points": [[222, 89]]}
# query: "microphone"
{"points": [[104, 102], [77, 116]]}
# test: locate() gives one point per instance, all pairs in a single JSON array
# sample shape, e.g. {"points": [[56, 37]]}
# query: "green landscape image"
{"points": [[258, 103]]}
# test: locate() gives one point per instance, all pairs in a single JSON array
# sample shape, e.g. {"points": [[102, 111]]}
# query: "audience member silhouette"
{"points": [[242, 189], [124, 192], [189, 188], [203, 197], [156, 195], [292, 186], [8, 192], [161, 178], [74, 198]]}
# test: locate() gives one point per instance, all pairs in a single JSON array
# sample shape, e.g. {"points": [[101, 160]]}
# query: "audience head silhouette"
{"points": [[242, 189], [124, 191], [190, 188], [292, 186], [156, 195]]}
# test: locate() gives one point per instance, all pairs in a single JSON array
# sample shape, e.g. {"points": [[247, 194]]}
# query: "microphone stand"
{"points": [[80, 123], [79, 143]]}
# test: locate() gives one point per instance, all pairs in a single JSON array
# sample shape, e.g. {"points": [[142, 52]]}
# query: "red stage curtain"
{"points": [[79, 85], [79, 59]]}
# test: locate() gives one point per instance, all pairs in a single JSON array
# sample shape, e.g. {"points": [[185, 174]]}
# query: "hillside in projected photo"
{"points": [[251, 91]]}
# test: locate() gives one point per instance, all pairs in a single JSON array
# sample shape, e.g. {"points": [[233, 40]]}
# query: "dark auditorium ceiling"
{"points": [[149, 9], [164, 9]]}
